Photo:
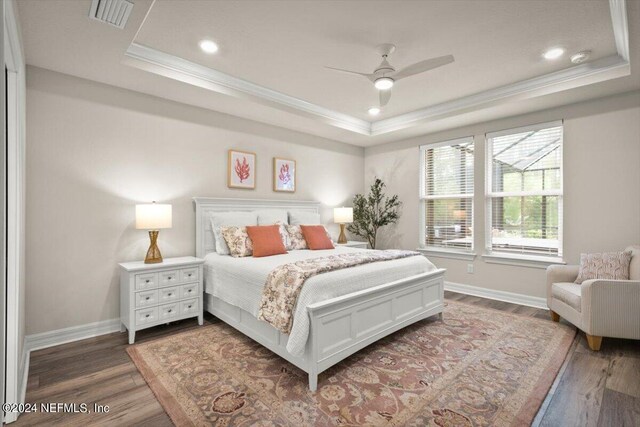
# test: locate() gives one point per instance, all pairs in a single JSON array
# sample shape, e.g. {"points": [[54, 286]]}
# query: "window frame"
{"points": [[521, 258], [439, 251]]}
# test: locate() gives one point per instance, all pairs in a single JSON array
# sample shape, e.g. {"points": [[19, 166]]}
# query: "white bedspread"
{"points": [[239, 282]]}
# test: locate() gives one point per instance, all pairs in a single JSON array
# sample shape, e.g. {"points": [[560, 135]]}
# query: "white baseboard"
{"points": [[511, 297], [53, 338], [74, 333]]}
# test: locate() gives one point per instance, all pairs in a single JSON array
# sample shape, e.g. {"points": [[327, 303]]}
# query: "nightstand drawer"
{"points": [[170, 277], [189, 274], [169, 294], [146, 298], [187, 291], [168, 311], [147, 315], [146, 281], [189, 307]]}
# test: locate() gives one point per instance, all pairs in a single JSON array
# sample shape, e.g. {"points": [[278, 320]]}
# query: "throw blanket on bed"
{"points": [[285, 282]]}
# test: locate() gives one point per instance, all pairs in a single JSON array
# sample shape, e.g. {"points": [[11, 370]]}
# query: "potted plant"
{"points": [[373, 211]]}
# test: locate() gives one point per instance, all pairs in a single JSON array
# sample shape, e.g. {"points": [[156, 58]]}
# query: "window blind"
{"points": [[447, 194], [525, 190]]}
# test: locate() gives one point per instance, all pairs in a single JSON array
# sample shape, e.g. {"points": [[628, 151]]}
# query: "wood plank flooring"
{"points": [[592, 389]]}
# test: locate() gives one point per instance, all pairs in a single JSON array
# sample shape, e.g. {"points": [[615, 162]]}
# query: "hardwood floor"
{"points": [[592, 389]]}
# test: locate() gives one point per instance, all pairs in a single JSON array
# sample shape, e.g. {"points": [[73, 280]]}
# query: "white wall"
{"points": [[94, 151], [601, 187]]}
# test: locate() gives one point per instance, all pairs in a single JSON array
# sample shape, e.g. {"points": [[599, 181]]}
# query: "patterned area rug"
{"points": [[480, 367]]}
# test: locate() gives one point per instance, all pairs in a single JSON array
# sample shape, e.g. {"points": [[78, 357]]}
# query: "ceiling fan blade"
{"points": [[422, 66], [385, 95], [368, 76]]}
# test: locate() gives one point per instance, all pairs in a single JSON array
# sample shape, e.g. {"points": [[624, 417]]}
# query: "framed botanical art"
{"points": [[284, 175], [241, 170]]}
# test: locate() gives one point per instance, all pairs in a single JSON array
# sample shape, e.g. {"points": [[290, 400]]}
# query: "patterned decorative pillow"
{"points": [[284, 234], [295, 238], [238, 241], [608, 266]]}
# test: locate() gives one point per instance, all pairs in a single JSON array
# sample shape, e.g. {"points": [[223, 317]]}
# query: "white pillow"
{"points": [[303, 218], [272, 216], [226, 219]]}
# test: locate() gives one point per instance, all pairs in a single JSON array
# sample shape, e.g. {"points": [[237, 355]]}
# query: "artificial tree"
{"points": [[373, 211]]}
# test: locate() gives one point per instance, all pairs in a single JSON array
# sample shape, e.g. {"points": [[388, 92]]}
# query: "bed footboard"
{"points": [[344, 325]]}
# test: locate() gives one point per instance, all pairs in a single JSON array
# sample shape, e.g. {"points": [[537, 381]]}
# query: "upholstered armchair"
{"points": [[600, 308]]}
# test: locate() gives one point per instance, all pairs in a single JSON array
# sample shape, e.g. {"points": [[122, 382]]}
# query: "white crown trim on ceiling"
{"points": [[180, 69]]}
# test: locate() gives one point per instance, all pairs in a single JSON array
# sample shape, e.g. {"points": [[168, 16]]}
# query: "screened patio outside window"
{"points": [[524, 190], [446, 195]]}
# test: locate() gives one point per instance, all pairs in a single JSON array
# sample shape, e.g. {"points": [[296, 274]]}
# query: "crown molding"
{"points": [[189, 72], [180, 69], [603, 69], [620, 24]]}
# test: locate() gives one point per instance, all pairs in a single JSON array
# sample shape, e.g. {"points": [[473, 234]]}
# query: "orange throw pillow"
{"points": [[316, 237], [266, 240]]}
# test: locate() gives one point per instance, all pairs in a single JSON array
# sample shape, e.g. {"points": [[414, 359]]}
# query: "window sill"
{"points": [[444, 253], [531, 261]]}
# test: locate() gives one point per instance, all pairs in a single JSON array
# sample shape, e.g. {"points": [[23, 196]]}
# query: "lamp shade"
{"points": [[153, 216], [342, 215]]}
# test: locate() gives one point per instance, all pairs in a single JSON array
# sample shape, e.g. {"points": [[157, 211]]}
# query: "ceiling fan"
{"points": [[384, 76]]}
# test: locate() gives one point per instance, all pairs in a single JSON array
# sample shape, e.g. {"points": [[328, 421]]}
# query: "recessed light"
{"points": [[581, 56], [553, 53], [383, 83], [374, 111], [208, 46]]}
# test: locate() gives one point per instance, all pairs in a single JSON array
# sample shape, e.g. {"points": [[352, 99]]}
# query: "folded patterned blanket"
{"points": [[285, 282]]}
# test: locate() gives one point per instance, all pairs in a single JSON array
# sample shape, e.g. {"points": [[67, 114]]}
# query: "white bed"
{"points": [[337, 314]]}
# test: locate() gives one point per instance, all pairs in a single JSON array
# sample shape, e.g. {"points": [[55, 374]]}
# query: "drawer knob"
{"points": [[189, 306], [147, 315], [189, 274], [170, 310], [147, 298], [170, 294], [169, 277], [189, 290], [146, 281]]}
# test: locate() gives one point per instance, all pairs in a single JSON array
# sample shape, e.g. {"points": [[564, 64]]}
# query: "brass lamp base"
{"points": [[153, 253], [342, 239]]}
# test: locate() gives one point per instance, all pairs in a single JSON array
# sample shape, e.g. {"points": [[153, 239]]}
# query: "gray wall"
{"points": [[601, 187], [94, 151]]}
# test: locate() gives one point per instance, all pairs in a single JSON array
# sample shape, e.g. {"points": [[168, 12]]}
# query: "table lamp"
{"points": [[342, 216], [153, 217]]}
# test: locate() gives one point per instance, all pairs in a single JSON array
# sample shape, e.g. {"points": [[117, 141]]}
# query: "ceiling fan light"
{"points": [[374, 111], [383, 83]]}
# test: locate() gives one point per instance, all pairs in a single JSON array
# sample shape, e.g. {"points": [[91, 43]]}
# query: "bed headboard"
{"points": [[205, 206]]}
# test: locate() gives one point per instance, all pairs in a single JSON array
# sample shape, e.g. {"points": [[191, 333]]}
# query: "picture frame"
{"points": [[284, 175], [241, 169]]}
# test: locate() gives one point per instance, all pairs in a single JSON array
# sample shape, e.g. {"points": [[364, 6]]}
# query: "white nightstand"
{"points": [[152, 294], [355, 244]]}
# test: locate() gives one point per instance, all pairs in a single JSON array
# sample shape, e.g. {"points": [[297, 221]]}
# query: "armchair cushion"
{"points": [[608, 266], [559, 273], [568, 293]]}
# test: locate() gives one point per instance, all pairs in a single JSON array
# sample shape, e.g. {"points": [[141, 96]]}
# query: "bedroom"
{"points": [[511, 186]]}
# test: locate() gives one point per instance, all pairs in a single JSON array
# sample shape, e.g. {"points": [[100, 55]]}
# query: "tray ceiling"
{"points": [[270, 66]]}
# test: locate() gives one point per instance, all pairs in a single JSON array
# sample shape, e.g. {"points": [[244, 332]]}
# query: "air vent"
{"points": [[112, 12]]}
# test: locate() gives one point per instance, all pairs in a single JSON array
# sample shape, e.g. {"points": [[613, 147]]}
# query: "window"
{"points": [[446, 194], [524, 189]]}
